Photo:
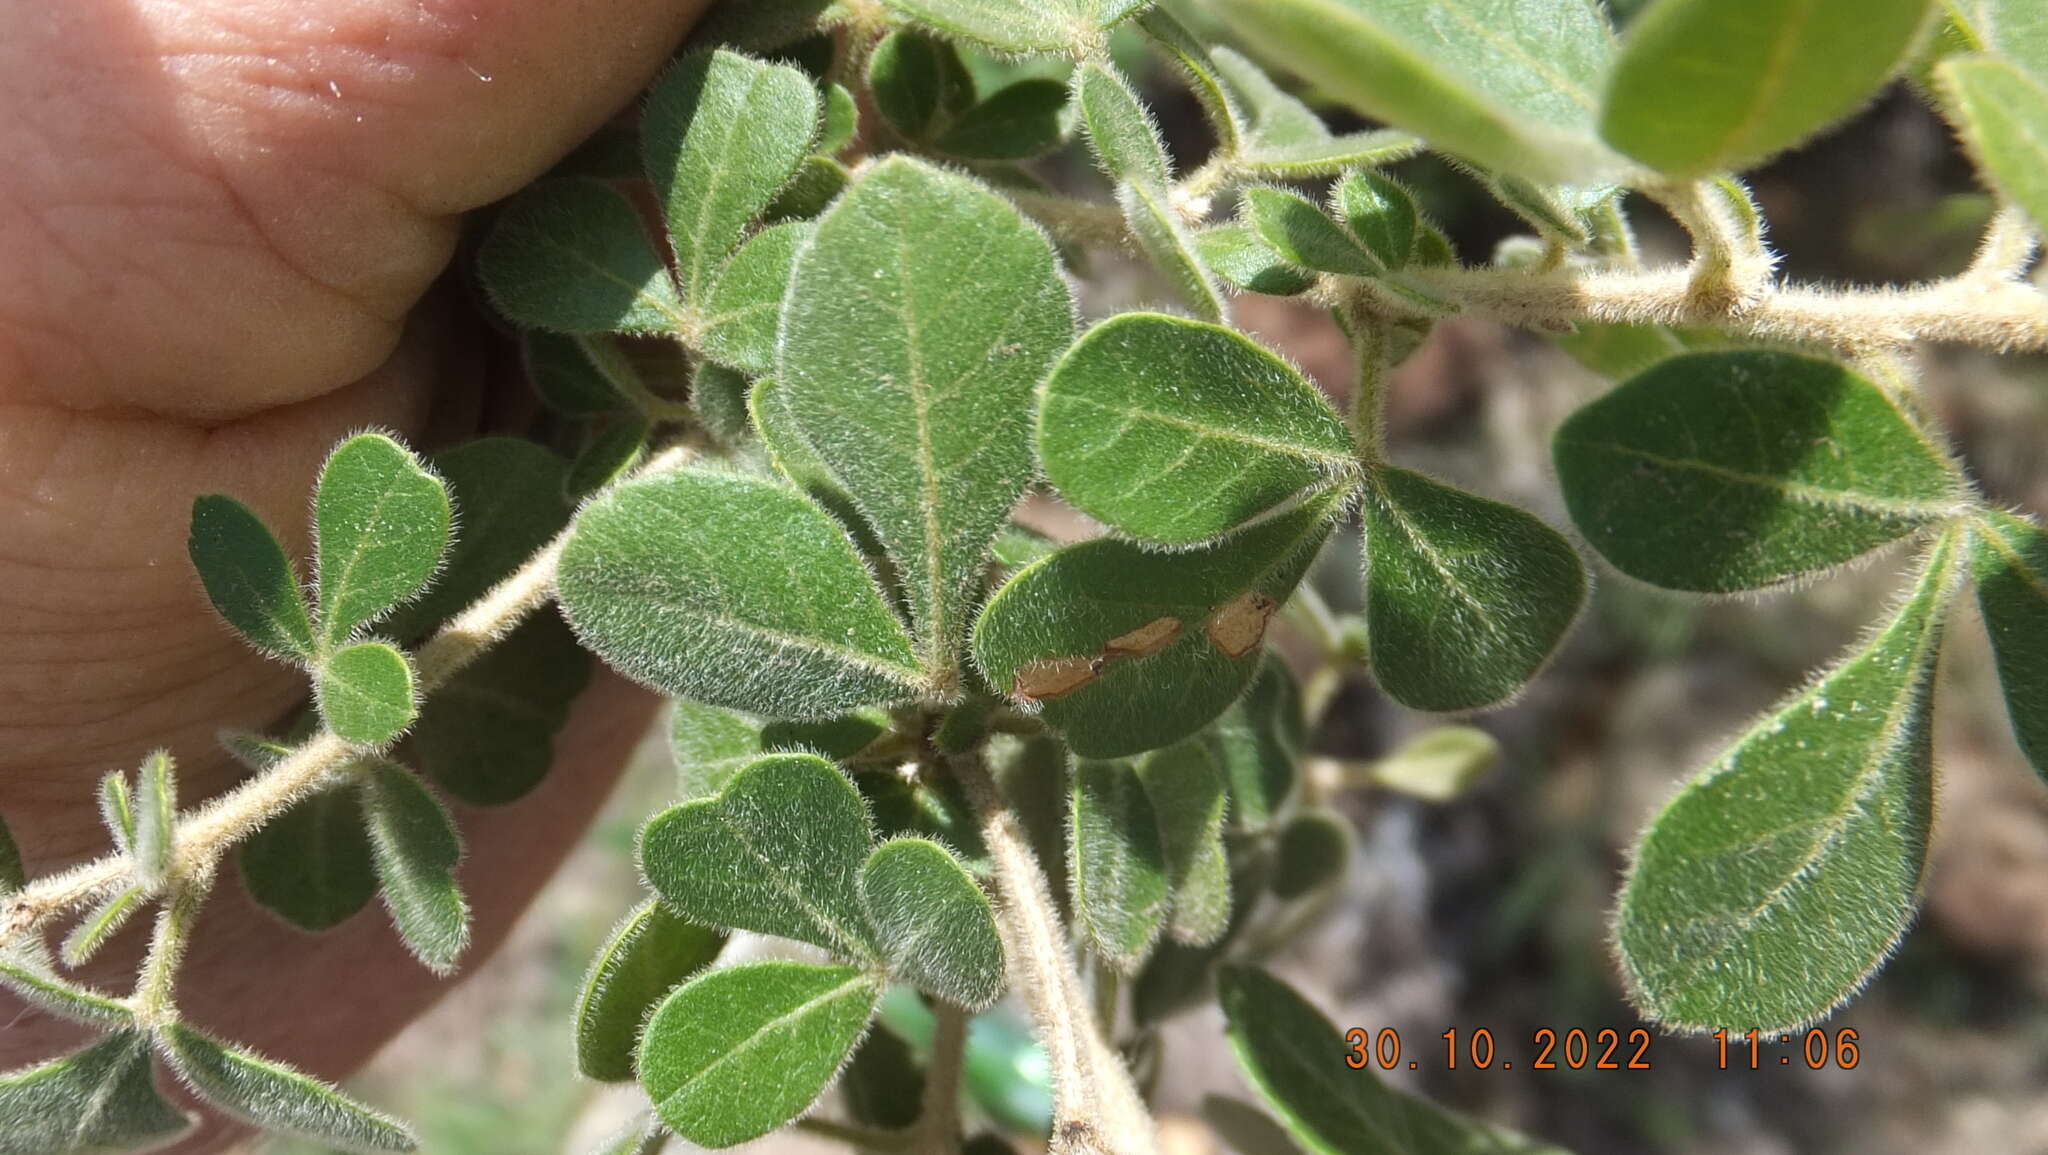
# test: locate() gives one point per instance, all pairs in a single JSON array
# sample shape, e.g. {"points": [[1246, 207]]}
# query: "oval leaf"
{"points": [[1259, 741], [414, 846], [572, 256], [382, 521], [273, 1096], [2010, 558], [1118, 867], [367, 693], [1304, 236], [1120, 128], [1016, 122], [487, 734], [2002, 113], [311, 865], [650, 952], [1003, 25], [1184, 782], [733, 591], [1171, 246], [248, 578], [746, 305], [1731, 471], [937, 929]]}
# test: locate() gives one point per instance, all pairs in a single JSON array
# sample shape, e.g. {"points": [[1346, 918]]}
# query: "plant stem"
{"points": [[938, 1122], [1095, 1107], [154, 985], [1369, 341], [2007, 248], [854, 1135]]}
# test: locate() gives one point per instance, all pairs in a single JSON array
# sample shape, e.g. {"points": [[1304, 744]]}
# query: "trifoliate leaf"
{"points": [[1703, 86], [1124, 649], [156, 819], [1314, 849], [311, 864], [1304, 236], [746, 304], [99, 1099], [573, 256], [1381, 214], [1178, 431], [1465, 598], [2010, 559], [721, 136], [733, 591], [273, 1096], [507, 499], [366, 693], [486, 735], [1768, 890], [39, 988], [248, 578], [650, 952], [1294, 1056], [1120, 129], [726, 861], [1016, 122], [2001, 112], [917, 323], [1259, 741], [1185, 784], [414, 847], [1731, 471], [382, 521], [1118, 867], [1239, 255], [741, 1051], [936, 927]]}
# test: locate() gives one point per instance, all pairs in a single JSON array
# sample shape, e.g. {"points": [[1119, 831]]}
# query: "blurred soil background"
{"points": [[1491, 911]]}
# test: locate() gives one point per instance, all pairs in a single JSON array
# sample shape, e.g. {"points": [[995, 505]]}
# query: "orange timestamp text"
{"points": [[1601, 1049]]}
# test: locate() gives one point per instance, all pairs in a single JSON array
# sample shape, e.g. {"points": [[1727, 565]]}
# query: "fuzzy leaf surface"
{"points": [[2002, 112], [487, 735], [1736, 470], [273, 1096], [1284, 139], [1002, 25], [1185, 784], [1259, 741], [1019, 121], [311, 864], [366, 693], [1120, 129], [2010, 559], [733, 591], [746, 304], [414, 848], [936, 927], [1301, 233], [1170, 244], [1179, 431], [650, 952], [572, 256], [1381, 214], [99, 1099], [248, 578], [506, 493], [1117, 865], [383, 523], [1238, 254], [38, 987]]}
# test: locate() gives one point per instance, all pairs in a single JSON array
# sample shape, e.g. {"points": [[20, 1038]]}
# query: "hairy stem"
{"points": [[154, 985], [1095, 1107], [938, 1123], [2007, 248]]}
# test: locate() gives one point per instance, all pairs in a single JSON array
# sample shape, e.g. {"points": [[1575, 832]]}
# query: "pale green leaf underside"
{"points": [[2010, 560], [383, 523], [2014, 29], [741, 1051], [275, 1097], [572, 256], [1178, 431], [1731, 471], [99, 1099], [1708, 85], [366, 693], [248, 578], [2002, 113], [1284, 138], [650, 952], [1770, 888], [1116, 864], [1465, 598], [733, 591], [917, 323], [936, 927], [414, 848]]}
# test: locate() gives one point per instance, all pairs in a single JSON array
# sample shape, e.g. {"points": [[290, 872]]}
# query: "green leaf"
{"points": [[718, 396], [726, 861], [273, 1096], [37, 987], [156, 819], [367, 693], [1016, 122], [741, 1051], [1239, 255], [1381, 214], [1702, 86], [383, 524], [1505, 84], [2010, 559], [568, 380], [572, 256], [1200, 69], [506, 494], [722, 134], [414, 847], [99, 1099], [917, 82], [710, 745], [311, 864], [2013, 29], [641, 1135], [1465, 598], [917, 323], [1543, 207], [739, 327], [818, 181], [937, 929], [1117, 865], [649, 953], [1314, 849], [842, 119], [1002, 25], [1032, 775], [1438, 765], [1295, 1058], [101, 923], [1285, 139], [1259, 741], [487, 734], [248, 578], [1731, 471], [1303, 235], [1170, 245], [1185, 785], [1769, 889], [2001, 112], [1178, 431], [735, 592], [1124, 649], [1120, 128], [883, 1085]]}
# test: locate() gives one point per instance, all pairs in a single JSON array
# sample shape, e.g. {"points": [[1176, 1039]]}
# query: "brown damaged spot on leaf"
{"points": [[1144, 641], [1046, 678], [1239, 625]]}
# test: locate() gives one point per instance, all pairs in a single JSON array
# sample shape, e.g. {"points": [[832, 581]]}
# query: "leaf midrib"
{"points": [[1852, 500], [753, 1040]]}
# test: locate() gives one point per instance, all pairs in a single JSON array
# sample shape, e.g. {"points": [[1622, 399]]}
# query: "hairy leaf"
{"points": [[1171, 246], [506, 493], [1770, 888], [1505, 84], [649, 953], [1381, 214], [1185, 784], [572, 256], [1238, 254], [1002, 25], [1315, 847], [2002, 113], [608, 455], [1032, 775], [566, 376], [883, 1085], [99, 1099], [1016, 122], [275, 1097], [2010, 558], [36, 986], [1284, 139], [1179, 431], [248, 578], [936, 927], [486, 735], [1120, 128], [746, 304], [383, 524], [1117, 864], [721, 136], [156, 818], [736, 592], [366, 693], [741, 1051], [1737, 470], [414, 847], [917, 323], [1465, 598], [1259, 741], [1124, 649], [842, 119], [101, 923], [311, 864], [1438, 765], [1706, 85], [918, 82], [1303, 235], [2014, 29], [729, 861]]}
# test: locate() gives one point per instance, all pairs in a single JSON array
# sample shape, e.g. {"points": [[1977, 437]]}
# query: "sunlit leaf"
{"points": [[2010, 559], [1118, 867], [2002, 113], [275, 1097], [414, 847], [649, 953], [739, 325], [383, 524], [366, 693], [99, 1099], [936, 927], [572, 256]]}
